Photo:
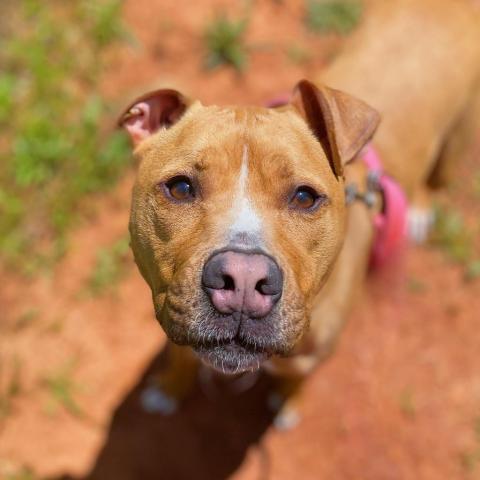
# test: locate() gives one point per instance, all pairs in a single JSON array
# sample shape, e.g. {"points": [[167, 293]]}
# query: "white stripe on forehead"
{"points": [[245, 218]]}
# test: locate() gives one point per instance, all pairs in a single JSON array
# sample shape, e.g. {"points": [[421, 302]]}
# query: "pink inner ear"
{"points": [[159, 109], [138, 122]]}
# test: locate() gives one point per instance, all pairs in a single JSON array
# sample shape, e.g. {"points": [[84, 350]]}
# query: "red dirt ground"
{"points": [[400, 398]]}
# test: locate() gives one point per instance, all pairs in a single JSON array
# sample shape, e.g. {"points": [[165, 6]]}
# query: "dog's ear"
{"points": [[342, 124], [151, 112]]}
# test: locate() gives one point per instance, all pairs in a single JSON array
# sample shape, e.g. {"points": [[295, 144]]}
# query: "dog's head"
{"points": [[238, 215]]}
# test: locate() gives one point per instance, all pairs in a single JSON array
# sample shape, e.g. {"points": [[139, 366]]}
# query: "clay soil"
{"points": [[399, 399]]}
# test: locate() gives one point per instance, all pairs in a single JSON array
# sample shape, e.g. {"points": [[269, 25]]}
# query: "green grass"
{"points": [[298, 54], [457, 240], [26, 318], [472, 271], [407, 404], [337, 16], [109, 267], [23, 474], [54, 147], [61, 388], [12, 388], [417, 286], [470, 460], [476, 185], [225, 43], [452, 235]]}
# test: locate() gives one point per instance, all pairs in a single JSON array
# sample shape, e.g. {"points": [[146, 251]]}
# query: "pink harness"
{"points": [[390, 223]]}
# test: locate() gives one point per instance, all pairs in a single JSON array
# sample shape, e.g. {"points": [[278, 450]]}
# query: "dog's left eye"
{"points": [[180, 188], [305, 198]]}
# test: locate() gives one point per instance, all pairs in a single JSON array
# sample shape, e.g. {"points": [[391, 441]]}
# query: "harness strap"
{"points": [[390, 223]]}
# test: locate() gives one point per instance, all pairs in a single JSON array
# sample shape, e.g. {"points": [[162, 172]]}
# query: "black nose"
{"points": [[243, 282]]}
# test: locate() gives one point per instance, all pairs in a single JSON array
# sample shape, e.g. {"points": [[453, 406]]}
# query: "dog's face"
{"points": [[238, 216]]}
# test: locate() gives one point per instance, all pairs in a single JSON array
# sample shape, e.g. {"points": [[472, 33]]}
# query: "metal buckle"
{"points": [[369, 197]]}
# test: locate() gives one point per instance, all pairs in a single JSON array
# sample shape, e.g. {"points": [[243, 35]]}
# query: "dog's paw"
{"points": [[286, 419], [287, 416], [154, 400], [419, 224]]}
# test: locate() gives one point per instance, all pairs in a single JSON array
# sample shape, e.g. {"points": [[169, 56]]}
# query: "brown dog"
{"points": [[238, 220]]}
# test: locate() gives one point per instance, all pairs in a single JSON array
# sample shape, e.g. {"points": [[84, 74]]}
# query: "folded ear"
{"points": [[342, 123], [152, 111]]}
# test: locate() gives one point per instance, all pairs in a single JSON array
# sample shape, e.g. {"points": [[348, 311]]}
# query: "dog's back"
{"points": [[417, 63]]}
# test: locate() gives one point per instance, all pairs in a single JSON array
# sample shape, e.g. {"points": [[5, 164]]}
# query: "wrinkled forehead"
{"points": [[218, 136]]}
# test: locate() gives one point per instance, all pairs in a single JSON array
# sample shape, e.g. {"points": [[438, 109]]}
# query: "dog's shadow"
{"points": [[206, 439]]}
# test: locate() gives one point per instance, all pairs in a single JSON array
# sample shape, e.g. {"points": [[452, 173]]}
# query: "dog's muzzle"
{"points": [[243, 289]]}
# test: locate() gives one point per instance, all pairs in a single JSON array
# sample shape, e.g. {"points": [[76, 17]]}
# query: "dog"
{"points": [[240, 222]]}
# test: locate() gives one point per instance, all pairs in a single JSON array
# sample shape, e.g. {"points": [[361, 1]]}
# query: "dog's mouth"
{"points": [[232, 356]]}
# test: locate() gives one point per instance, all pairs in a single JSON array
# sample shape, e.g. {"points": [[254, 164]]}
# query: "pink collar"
{"points": [[390, 223]]}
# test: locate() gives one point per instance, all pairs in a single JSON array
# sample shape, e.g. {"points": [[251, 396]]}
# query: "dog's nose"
{"points": [[250, 283]]}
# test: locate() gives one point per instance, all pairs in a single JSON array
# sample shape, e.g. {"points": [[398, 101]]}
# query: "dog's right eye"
{"points": [[180, 189]]}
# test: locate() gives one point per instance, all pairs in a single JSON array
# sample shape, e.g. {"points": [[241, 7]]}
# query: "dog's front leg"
{"points": [[290, 374], [286, 400], [167, 389]]}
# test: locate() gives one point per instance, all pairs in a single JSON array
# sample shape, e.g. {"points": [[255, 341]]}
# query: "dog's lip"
{"points": [[232, 356]]}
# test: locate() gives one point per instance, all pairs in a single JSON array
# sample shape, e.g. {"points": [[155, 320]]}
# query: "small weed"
{"points": [[54, 327], [476, 185], [407, 404], [110, 266], [103, 21], [452, 235], [471, 460], [11, 390], [26, 318], [338, 16], [472, 271], [476, 428], [298, 54], [23, 474], [61, 388], [415, 285], [224, 40]]}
